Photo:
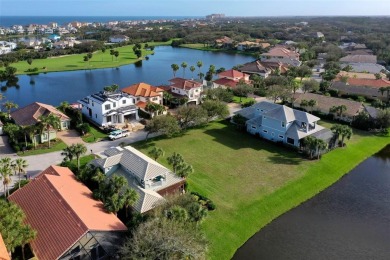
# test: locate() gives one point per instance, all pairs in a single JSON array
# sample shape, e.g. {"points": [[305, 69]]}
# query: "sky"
{"points": [[193, 7]]}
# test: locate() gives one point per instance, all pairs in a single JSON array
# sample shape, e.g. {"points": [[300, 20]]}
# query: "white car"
{"points": [[118, 134]]}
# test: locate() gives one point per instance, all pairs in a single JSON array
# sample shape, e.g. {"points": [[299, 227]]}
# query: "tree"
{"points": [[224, 95], [304, 103], [9, 105], [114, 203], [192, 69], [116, 54], [276, 92], [113, 88], [382, 90], [29, 61], [199, 64], [167, 97], [242, 89], [383, 118], [12, 219], [12, 131], [346, 132], [311, 104], [138, 53], [191, 116], [20, 165], [310, 85], [303, 71], [130, 198], [154, 108], [184, 66], [5, 173], [48, 122], [175, 68], [156, 152], [175, 160], [215, 109], [162, 238], [78, 150], [184, 169], [338, 110], [239, 121], [314, 146], [164, 124]]}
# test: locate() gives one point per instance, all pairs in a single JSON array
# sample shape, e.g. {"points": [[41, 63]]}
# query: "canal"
{"points": [[53, 88], [349, 220]]}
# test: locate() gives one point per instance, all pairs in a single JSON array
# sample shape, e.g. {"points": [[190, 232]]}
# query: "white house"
{"points": [[186, 88], [106, 108], [7, 47], [118, 38]]}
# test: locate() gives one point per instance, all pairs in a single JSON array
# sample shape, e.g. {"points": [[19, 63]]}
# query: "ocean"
{"points": [[7, 21]]}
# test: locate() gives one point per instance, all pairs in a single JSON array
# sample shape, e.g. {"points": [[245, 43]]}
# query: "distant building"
{"points": [[7, 47], [215, 16], [190, 89], [118, 38], [70, 223], [264, 68], [282, 55]]}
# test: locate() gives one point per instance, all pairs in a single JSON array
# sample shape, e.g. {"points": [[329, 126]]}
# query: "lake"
{"points": [[55, 87], [349, 220]]}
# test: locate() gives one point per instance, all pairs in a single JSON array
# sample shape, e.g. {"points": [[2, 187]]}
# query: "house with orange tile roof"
{"points": [[30, 115], [224, 42], [70, 223], [230, 79], [190, 89], [144, 93], [282, 55], [4, 255]]}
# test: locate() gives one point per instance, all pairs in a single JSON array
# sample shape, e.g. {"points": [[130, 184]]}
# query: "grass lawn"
{"points": [[58, 145], [243, 99], [94, 136], [75, 62], [252, 181]]}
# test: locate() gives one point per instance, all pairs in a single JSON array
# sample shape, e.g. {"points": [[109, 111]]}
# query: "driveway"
{"points": [[5, 148], [70, 137]]}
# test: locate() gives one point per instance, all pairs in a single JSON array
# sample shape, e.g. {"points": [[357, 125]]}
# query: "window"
{"points": [[196, 90], [137, 98], [283, 124], [290, 140], [265, 131], [154, 99], [114, 104], [93, 104], [124, 101], [95, 115], [254, 127], [107, 107], [109, 119], [281, 136]]}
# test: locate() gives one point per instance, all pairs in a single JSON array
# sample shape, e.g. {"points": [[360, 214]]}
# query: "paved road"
{"points": [[37, 163]]}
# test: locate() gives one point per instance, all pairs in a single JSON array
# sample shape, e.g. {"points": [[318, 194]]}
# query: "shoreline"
{"points": [[316, 178]]}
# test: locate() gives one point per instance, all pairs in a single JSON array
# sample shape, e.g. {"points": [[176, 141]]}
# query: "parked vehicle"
{"points": [[118, 134]]}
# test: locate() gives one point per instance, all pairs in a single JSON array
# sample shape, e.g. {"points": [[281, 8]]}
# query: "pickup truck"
{"points": [[118, 134]]}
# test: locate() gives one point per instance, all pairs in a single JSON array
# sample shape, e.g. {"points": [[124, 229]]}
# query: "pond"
{"points": [[53, 88], [349, 220]]}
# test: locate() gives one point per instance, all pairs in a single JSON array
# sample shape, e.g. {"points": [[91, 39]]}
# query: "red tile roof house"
{"points": [[70, 224], [191, 89], [230, 79], [3, 250], [368, 88], [30, 114], [144, 93]]}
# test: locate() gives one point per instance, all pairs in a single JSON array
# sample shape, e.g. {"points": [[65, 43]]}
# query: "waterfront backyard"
{"points": [[252, 181]]}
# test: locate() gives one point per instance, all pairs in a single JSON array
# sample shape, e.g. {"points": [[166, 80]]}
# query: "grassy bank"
{"points": [[252, 181], [75, 62]]}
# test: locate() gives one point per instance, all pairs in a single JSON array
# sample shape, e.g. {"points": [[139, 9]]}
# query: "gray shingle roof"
{"points": [[250, 112], [281, 113]]}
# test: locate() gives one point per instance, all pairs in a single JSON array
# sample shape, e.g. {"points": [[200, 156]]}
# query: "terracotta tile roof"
{"points": [[225, 39], [3, 250], [372, 83], [356, 75], [324, 103], [143, 90], [29, 115], [141, 104], [280, 51], [360, 58], [232, 74], [185, 84], [62, 210], [226, 82]]}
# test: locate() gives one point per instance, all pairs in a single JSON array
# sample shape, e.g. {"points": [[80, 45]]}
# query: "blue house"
{"points": [[54, 37], [279, 123]]}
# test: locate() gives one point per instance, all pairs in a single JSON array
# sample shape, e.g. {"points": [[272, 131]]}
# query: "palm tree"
{"points": [[26, 235], [304, 103], [175, 68], [156, 152], [6, 172], [184, 169], [192, 69], [346, 132], [338, 110], [114, 203], [68, 152], [310, 144], [175, 160], [337, 130], [184, 66], [321, 145], [167, 97], [50, 121], [130, 197], [112, 53], [21, 165], [78, 150], [9, 106], [199, 64]]}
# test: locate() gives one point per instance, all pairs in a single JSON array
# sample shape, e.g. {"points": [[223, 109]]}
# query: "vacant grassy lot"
{"points": [[252, 181], [55, 146], [76, 61]]}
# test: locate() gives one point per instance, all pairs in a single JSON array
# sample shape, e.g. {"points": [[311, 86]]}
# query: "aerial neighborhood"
{"points": [[120, 164]]}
